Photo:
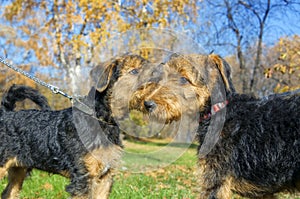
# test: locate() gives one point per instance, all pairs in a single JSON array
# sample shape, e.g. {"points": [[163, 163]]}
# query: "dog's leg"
{"points": [[214, 185], [267, 197], [16, 176], [78, 188], [79, 197], [8, 164], [221, 192], [215, 190], [101, 187], [224, 190], [3, 172]]}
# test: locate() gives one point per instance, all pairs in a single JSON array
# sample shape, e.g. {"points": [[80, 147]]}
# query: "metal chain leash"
{"points": [[74, 100], [54, 89]]}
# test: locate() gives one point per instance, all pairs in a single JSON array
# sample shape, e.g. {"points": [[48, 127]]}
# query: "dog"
{"points": [[77, 143], [248, 146]]}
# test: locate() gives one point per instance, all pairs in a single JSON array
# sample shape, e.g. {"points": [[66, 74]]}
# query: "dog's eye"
{"points": [[134, 71], [183, 80]]}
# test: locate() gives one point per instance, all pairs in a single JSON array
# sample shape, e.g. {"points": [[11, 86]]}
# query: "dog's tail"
{"points": [[19, 93]]}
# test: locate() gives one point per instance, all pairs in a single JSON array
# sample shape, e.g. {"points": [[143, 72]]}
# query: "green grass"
{"points": [[42, 185], [140, 176], [174, 180]]}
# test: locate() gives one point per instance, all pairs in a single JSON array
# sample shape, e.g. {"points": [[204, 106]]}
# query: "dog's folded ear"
{"points": [[103, 74], [224, 70]]}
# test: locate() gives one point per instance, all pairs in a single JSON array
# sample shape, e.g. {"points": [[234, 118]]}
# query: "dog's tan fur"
{"points": [[182, 80]]}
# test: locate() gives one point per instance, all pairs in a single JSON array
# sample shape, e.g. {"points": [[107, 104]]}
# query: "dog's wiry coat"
{"points": [[67, 142], [257, 153]]}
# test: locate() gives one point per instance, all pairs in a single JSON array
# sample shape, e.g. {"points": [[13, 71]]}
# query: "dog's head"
{"points": [[124, 67], [116, 80], [185, 84]]}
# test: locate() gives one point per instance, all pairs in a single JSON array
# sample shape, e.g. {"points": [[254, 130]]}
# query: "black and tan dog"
{"points": [[248, 146], [83, 147]]}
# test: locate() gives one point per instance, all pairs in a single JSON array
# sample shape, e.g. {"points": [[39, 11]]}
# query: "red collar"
{"points": [[214, 109]]}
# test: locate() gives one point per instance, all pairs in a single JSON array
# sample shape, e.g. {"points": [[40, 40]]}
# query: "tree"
{"points": [[285, 68], [65, 34], [241, 24]]}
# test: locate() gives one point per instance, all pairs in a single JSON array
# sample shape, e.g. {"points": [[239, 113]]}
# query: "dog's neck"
{"points": [[235, 106], [232, 101], [99, 128], [95, 105], [100, 103]]}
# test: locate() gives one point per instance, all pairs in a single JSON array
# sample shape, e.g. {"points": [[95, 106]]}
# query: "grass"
{"points": [[175, 179], [42, 185], [147, 172]]}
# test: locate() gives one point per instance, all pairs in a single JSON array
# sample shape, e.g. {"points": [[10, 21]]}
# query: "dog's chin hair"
{"points": [[153, 118], [163, 117]]}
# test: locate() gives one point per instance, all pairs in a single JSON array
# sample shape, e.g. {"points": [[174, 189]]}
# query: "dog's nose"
{"points": [[150, 105]]}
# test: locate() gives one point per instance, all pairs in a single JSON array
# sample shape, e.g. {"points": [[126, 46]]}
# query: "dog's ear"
{"points": [[103, 74], [224, 70]]}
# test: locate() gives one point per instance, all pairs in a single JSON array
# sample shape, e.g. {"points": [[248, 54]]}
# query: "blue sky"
{"points": [[286, 26]]}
